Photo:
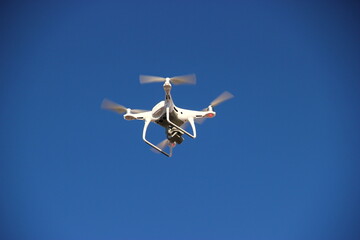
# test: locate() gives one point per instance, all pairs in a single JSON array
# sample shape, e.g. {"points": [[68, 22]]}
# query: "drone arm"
{"points": [[179, 128], [147, 122]]}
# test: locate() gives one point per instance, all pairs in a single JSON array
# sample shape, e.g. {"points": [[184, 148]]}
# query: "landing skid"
{"points": [[153, 145], [169, 154], [191, 121]]}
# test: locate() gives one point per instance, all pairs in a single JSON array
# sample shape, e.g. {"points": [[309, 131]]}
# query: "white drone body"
{"points": [[166, 114]]}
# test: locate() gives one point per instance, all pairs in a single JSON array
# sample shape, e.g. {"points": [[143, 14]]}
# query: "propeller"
{"points": [[184, 79], [112, 106], [163, 144], [221, 98], [199, 120]]}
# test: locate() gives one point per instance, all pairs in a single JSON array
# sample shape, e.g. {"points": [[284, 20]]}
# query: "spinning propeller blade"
{"points": [[163, 144], [185, 79], [150, 79], [109, 105], [200, 120], [222, 98], [112, 106]]}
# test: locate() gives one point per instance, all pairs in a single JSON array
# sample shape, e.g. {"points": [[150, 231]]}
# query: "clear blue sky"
{"points": [[279, 161]]}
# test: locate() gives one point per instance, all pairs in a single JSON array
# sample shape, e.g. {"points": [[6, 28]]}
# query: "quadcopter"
{"points": [[166, 114]]}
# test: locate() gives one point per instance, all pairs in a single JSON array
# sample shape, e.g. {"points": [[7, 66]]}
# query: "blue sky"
{"points": [[279, 161]]}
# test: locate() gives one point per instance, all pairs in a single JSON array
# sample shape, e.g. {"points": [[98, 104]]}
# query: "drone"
{"points": [[166, 114]]}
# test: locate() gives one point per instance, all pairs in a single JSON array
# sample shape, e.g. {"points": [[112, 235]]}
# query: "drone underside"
{"points": [[166, 114]]}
